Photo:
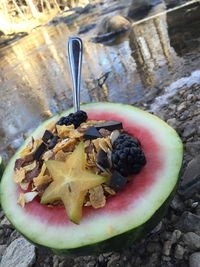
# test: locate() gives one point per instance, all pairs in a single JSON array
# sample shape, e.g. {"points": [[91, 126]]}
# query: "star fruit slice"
{"points": [[71, 182]]}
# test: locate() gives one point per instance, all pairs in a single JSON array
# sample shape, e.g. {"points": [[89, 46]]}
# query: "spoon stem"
{"points": [[75, 51]]}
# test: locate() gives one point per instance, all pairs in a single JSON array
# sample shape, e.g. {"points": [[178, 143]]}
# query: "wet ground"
{"points": [[160, 48]]}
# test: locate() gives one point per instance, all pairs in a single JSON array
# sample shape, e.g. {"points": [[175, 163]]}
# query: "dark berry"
{"points": [[73, 118], [127, 156]]}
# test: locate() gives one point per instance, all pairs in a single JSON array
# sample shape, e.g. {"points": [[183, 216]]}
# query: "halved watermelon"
{"points": [[126, 216]]}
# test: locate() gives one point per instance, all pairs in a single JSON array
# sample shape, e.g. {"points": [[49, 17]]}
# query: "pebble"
{"points": [[190, 183], [167, 248], [192, 240], [188, 222], [179, 252], [189, 131], [2, 249], [175, 236], [20, 253], [194, 260]]}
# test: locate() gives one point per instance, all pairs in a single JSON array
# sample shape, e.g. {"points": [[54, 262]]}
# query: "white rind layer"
{"points": [[101, 226]]}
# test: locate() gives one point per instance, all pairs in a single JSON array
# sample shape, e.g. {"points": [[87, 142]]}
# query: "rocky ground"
{"points": [[176, 239]]}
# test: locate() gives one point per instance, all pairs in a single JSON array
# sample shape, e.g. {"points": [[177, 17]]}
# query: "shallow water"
{"points": [[34, 74]]}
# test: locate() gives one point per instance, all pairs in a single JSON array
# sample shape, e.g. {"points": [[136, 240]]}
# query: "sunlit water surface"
{"points": [[34, 72]]}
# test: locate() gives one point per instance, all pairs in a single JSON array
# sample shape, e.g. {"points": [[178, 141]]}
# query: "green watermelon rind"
{"points": [[128, 234], [1, 167]]}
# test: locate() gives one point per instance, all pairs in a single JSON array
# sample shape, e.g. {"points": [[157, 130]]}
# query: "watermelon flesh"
{"points": [[127, 214]]}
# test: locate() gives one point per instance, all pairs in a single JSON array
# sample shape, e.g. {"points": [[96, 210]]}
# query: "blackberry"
{"points": [[73, 118], [127, 156]]}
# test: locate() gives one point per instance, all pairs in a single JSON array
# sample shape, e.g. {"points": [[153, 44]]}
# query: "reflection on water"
{"points": [[35, 78]]}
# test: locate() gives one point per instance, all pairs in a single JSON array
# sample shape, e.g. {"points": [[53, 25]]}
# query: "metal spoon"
{"points": [[75, 51]]}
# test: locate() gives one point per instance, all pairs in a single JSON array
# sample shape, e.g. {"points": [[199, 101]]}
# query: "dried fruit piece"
{"points": [[31, 174], [97, 198], [21, 200], [64, 131], [41, 180], [30, 167], [19, 175], [66, 145]]}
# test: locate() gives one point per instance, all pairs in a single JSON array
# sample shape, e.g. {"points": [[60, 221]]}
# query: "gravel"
{"points": [[174, 242]]}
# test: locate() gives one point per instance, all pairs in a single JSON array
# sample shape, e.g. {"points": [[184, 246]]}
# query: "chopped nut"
{"points": [[104, 132], [19, 175], [88, 204], [96, 144], [87, 143], [24, 186], [21, 200], [97, 198], [103, 144], [108, 190], [29, 196]]}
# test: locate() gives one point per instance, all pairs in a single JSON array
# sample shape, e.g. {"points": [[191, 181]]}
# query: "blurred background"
{"points": [[134, 52]]}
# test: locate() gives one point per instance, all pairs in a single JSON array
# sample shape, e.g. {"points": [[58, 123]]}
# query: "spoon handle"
{"points": [[75, 51]]}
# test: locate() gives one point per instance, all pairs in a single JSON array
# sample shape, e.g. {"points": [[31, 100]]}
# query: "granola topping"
{"points": [[62, 156]]}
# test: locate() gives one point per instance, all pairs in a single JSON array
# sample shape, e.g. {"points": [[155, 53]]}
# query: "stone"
{"points": [[177, 204], [20, 253], [192, 147], [188, 222], [167, 248], [175, 236], [2, 249], [113, 260], [6, 223], [181, 107], [179, 252], [192, 240], [190, 182], [153, 247], [113, 24], [189, 130], [194, 260], [91, 264], [172, 122]]}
